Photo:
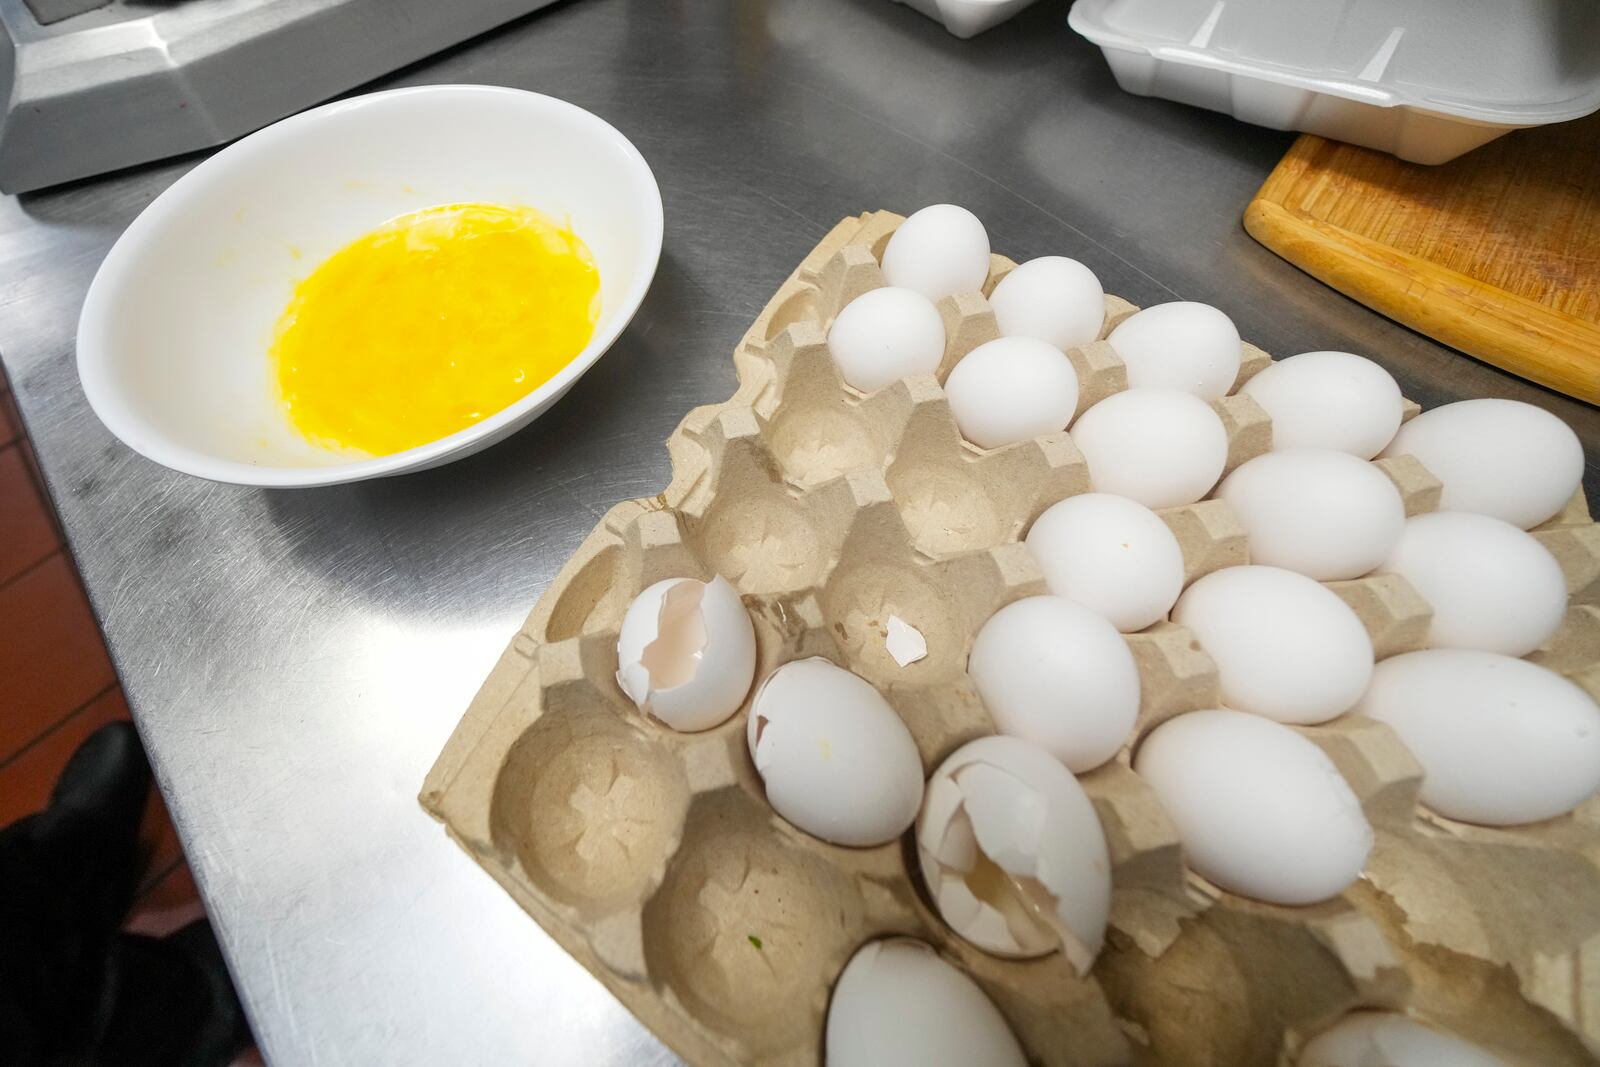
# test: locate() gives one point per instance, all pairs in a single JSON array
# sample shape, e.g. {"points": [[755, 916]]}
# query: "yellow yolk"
{"points": [[433, 321]]}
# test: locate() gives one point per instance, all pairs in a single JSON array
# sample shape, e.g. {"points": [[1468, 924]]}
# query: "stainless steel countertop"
{"points": [[296, 659]]}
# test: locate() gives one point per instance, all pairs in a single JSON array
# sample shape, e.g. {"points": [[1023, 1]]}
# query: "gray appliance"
{"points": [[94, 85]]}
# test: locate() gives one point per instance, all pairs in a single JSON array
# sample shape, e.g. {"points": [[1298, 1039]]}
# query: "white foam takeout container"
{"points": [[967, 18], [174, 335], [1426, 80]]}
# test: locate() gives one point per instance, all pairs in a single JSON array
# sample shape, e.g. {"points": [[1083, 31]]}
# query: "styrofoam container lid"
{"points": [[1514, 62]]}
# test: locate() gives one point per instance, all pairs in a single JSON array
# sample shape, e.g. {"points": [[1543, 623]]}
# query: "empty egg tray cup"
{"points": [[654, 858]]}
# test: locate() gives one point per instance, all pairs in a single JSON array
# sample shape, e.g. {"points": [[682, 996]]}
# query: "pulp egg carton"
{"points": [[654, 858], [1425, 80]]}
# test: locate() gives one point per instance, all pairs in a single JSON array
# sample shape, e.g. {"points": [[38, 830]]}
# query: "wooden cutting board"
{"points": [[1496, 253]]}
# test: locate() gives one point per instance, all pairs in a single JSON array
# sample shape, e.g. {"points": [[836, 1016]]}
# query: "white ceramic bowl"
{"points": [[174, 336]]}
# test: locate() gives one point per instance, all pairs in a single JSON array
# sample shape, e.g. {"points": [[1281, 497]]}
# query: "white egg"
{"points": [[1160, 447], [1329, 400], [1285, 647], [836, 759], [1388, 1039], [884, 335], [1055, 673], [1321, 512], [897, 1001], [940, 250], [1259, 810], [1181, 345], [1012, 389], [1112, 555], [1013, 853], [1491, 586], [1502, 741], [1503, 458], [1052, 298], [686, 652]]}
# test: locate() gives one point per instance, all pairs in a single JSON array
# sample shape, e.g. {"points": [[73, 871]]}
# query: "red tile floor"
{"points": [[56, 680]]}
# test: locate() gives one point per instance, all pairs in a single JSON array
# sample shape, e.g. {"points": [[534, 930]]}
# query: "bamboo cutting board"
{"points": [[1496, 253]]}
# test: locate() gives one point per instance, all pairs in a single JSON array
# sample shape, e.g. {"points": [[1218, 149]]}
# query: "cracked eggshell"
{"points": [[1317, 511], [1259, 810], [1161, 447], [1329, 400], [1388, 1039], [1053, 299], [1181, 345], [837, 761], [1285, 647], [884, 335], [1013, 854], [897, 1001], [1502, 741], [1054, 673], [1504, 458], [940, 250], [686, 653], [1112, 555], [1012, 389], [1491, 585]]}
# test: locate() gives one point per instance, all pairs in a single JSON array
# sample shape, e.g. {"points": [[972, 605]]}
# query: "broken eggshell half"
{"points": [[1013, 854], [686, 653], [836, 760]]}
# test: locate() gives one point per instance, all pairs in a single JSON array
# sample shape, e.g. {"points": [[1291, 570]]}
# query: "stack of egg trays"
{"points": [[654, 858]]}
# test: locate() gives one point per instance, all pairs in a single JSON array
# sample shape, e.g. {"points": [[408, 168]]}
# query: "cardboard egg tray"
{"points": [[654, 858]]}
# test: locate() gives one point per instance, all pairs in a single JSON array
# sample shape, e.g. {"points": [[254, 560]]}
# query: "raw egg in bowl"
{"points": [[377, 285]]}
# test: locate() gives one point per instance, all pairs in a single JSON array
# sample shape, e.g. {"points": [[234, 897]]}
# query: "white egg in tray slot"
{"points": [[691, 868]]}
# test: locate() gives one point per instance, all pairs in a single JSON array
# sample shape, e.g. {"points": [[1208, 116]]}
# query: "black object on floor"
{"points": [[73, 989]]}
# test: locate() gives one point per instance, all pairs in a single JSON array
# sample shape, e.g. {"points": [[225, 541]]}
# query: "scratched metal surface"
{"points": [[296, 659]]}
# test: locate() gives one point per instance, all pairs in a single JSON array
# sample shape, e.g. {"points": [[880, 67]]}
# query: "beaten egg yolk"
{"points": [[432, 322]]}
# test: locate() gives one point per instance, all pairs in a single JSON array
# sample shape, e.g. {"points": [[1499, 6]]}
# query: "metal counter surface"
{"points": [[295, 659]]}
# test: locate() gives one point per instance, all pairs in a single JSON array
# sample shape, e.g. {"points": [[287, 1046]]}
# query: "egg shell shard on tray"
{"points": [[652, 856]]}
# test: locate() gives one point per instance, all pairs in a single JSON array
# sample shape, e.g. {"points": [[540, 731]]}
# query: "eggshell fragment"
{"points": [[1013, 854], [836, 759], [1160, 447], [898, 1002], [1181, 345], [940, 250], [1012, 389], [686, 652], [1112, 555], [884, 335], [1504, 458], [1329, 400], [904, 642], [1388, 1039], [1503, 741], [1316, 511], [1285, 647], [1491, 586], [1054, 673], [1259, 809], [1052, 298]]}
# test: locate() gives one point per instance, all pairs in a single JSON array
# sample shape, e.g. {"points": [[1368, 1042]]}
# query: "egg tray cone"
{"points": [[653, 857]]}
